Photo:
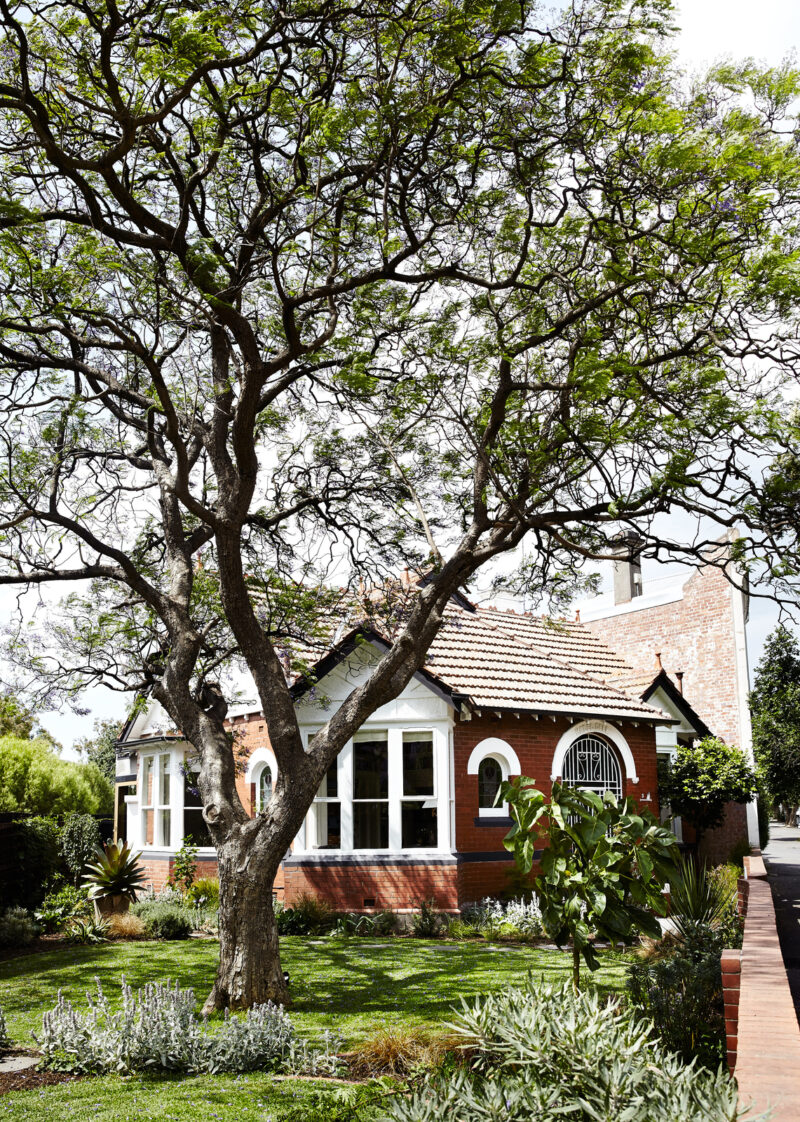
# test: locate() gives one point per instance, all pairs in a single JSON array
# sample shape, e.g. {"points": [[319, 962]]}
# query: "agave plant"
{"points": [[698, 899], [116, 872]]}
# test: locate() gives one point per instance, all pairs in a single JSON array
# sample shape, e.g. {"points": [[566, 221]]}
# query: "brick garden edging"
{"points": [[760, 1019]]}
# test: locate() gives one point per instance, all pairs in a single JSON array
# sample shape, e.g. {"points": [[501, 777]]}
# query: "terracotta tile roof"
{"points": [[506, 661]]}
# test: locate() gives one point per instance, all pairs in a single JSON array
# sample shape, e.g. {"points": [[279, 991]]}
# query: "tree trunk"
{"points": [[249, 970], [576, 968]]}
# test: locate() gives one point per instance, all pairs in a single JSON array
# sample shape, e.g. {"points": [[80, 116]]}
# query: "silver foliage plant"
{"points": [[157, 1029], [549, 1053], [5, 1040], [498, 916]]}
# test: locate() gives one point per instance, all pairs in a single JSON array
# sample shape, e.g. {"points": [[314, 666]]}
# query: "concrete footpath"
{"points": [[782, 859]]}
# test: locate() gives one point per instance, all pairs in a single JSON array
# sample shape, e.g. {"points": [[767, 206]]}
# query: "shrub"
{"points": [[59, 907], [427, 923], [681, 995], [37, 861], [384, 922], [552, 1054], [80, 837], [5, 1039], [17, 928], [697, 897], [87, 930], [495, 919], [204, 892], [706, 775], [163, 920], [309, 915], [157, 1029], [184, 867], [116, 872]]}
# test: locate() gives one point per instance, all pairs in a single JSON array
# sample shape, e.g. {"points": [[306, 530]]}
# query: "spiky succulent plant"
{"points": [[115, 872]]}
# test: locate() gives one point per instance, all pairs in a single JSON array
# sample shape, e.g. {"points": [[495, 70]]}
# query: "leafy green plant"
{"points": [[87, 930], [697, 898], [204, 892], [552, 1053], [17, 928], [37, 861], [184, 867], [115, 872], [681, 995], [57, 908], [80, 839], [308, 915], [704, 776], [163, 920], [427, 922], [603, 869]]}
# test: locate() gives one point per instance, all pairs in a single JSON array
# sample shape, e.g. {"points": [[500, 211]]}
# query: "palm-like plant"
{"points": [[697, 899], [116, 872]]}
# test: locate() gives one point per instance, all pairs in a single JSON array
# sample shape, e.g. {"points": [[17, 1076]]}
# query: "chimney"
{"points": [[627, 567]]}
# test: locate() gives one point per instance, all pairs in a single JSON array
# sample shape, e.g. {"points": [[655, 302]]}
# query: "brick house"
{"points": [[407, 811]]}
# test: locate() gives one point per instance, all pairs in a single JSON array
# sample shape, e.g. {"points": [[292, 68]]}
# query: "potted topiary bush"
{"points": [[115, 879]]}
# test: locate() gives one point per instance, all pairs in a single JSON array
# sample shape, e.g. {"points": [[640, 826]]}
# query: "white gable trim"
{"points": [[584, 728]]}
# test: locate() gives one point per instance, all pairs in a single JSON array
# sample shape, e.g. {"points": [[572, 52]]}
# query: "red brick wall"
{"points": [[695, 635], [400, 887]]}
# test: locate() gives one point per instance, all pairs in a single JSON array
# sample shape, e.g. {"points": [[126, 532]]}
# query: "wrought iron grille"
{"points": [[590, 763]]}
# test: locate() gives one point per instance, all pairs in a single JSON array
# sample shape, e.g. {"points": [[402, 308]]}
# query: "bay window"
{"points": [[371, 790], [156, 800], [382, 793]]}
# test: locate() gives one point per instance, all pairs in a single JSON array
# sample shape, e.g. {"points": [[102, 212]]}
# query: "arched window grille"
{"points": [[490, 775], [592, 764], [264, 787]]}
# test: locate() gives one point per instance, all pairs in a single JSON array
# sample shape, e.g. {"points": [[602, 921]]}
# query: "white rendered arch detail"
{"points": [[255, 765], [494, 746], [603, 728]]}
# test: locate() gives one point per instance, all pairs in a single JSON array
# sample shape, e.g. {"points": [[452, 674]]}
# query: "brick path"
{"points": [[768, 1046]]}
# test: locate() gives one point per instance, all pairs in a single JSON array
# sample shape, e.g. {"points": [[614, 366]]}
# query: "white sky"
{"points": [[768, 31]]}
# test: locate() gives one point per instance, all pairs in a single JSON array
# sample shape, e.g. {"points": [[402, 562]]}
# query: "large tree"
{"points": [[302, 294], [775, 708]]}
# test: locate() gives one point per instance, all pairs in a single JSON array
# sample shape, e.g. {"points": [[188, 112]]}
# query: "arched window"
{"points": [[490, 776], [591, 763], [264, 787]]}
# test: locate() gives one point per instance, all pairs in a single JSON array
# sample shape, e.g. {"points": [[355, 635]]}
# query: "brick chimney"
{"points": [[627, 567]]}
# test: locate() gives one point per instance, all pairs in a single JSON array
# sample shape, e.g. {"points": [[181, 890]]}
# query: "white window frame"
{"points": [[157, 806], [500, 750], [345, 761], [323, 800]]}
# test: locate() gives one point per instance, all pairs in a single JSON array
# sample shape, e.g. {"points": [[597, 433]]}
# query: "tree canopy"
{"points": [[299, 295], [704, 776], [34, 780], [775, 708]]}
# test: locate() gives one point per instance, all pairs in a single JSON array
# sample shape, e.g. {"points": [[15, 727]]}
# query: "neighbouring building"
{"points": [[407, 811]]}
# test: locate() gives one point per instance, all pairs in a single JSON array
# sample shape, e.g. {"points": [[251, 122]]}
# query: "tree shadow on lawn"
{"points": [[349, 987]]}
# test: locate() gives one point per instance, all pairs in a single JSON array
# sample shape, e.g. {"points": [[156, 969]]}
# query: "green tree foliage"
{"points": [[704, 777], [17, 720], [99, 748], [34, 780], [302, 293], [775, 708], [603, 868], [80, 837]]}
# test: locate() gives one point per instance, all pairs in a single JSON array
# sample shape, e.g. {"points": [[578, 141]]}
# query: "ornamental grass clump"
{"points": [[555, 1054], [157, 1030]]}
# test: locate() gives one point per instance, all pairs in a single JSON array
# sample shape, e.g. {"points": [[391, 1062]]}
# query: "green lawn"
{"points": [[351, 986]]}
